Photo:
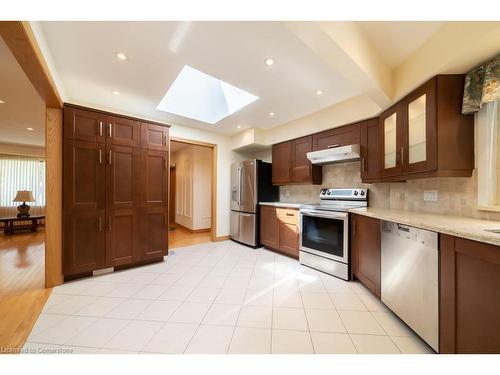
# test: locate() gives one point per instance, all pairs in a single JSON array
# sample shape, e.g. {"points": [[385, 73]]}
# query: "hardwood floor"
{"points": [[22, 292], [181, 237]]}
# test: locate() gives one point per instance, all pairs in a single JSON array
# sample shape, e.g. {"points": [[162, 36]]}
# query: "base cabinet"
{"points": [[279, 230], [366, 252], [469, 296]]}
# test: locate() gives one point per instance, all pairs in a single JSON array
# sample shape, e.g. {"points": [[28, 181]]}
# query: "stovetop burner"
{"points": [[340, 199]]}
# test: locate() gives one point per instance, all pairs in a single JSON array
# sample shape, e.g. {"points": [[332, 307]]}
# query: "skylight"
{"points": [[201, 97]]}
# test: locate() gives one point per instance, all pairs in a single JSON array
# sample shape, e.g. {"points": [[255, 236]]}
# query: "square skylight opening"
{"points": [[199, 96]]}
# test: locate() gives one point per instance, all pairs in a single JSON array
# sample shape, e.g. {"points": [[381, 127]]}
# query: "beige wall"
{"points": [[25, 150]]}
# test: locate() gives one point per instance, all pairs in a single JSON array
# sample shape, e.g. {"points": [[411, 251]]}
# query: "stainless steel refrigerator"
{"points": [[250, 184]]}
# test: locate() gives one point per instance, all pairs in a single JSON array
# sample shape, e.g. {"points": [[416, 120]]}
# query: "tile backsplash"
{"points": [[456, 195]]}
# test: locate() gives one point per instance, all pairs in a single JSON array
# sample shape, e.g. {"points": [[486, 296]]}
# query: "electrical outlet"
{"points": [[430, 195]]}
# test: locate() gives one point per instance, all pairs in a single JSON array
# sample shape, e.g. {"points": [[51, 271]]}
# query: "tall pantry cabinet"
{"points": [[115, 191]]}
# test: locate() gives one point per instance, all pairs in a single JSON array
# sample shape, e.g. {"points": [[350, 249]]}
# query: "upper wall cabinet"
{"points": [[338, 137], [290, 164], [425, 134], [369, 141]]}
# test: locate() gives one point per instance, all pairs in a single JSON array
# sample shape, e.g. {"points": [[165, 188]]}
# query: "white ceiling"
{"points": [[396, 41], [84, 57], [23, 107]]}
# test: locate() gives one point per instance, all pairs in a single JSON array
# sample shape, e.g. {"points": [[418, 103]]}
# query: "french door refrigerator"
{"points": [[250, 184]]}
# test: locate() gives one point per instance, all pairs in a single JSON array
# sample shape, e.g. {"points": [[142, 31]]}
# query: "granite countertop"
{"points": [[281, 204], [458, 226]]}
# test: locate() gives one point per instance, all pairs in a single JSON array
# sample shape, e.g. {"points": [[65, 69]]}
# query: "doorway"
{"points": [[192, 193]]}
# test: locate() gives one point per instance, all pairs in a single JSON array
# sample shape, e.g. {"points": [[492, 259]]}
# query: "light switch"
{"points": [[430, 195]]}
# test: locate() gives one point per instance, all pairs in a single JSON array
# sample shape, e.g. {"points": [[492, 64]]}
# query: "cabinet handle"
{"points": [[289, 214], [109, 158], [402, 156], [100, 223], [335, 145], [100, 128], [110, 129], [165, 140], [100, 156], [363, 166], [109, 224]]}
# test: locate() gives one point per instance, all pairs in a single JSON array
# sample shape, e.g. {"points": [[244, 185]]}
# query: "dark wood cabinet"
{"points": [[114, 192], [279, 229], [290, 164], [269, 227], [154, 137], [366, 252], [123, 131], [469, 296], [426, 135], [369, 142], [338, 137]]}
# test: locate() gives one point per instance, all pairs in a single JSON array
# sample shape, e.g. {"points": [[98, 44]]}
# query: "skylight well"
{"points": [[201, 97]]}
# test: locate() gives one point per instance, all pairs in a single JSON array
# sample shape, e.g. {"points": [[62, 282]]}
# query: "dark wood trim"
{"points": [[447, 294], [21, 41], [70, 105]]}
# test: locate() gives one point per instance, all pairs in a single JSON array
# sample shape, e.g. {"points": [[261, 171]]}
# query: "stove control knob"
{"points": [[328, 192], [355, 192], [362, 192]]}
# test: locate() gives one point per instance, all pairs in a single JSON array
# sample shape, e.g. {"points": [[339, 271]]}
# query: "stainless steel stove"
{"points": [[324, 230]]}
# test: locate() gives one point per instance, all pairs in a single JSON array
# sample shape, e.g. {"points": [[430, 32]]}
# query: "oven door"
{"points": [[325, 233]]}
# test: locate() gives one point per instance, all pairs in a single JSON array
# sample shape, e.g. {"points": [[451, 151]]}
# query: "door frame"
{"points": [[20, 39], [213, 199]]}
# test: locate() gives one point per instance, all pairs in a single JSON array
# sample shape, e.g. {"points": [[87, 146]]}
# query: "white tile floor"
{"points": [[219, 298]]}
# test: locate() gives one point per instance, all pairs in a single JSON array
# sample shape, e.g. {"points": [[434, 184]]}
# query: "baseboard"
{"points": [[221, 238], [192, 230]]}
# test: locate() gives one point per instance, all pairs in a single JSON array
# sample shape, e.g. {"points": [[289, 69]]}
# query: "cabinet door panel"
{"points": [[282, 163], [123, 239], [289, 239], [301, 166], [84, 242], [370, 157], [367, 252], [269, 227], [391, 135], [154, 233], [343, 136], [154, 164], [84, 125], [154, 137], [84, 176], [123, 131]]}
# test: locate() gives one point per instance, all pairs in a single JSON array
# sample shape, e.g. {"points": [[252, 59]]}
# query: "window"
{"points": [[488, 156], [21, 173], [201, 97]]}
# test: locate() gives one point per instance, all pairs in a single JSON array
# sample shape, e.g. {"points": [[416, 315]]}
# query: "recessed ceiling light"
{"points": [[238, 127], [269, 61], [121, 56], [319, 92], [116, 92], [2, 102], [271, 114], [30, 129]]}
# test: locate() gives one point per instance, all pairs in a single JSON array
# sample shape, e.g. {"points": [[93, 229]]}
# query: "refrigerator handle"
{"points": [[239, 185]]}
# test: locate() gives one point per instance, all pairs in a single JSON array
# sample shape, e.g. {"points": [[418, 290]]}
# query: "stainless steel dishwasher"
{"points": [[410, 284]]}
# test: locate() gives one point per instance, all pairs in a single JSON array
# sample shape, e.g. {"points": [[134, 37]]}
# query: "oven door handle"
{"points": [[330, 215]]}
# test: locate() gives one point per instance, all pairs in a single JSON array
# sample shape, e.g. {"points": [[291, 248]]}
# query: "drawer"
{"points": [[289, 216]]}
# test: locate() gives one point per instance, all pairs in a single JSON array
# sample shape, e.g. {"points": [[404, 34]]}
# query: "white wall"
{"points": [[202, 187]]}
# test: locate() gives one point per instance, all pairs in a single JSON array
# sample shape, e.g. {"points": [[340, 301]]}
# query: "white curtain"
{"points": [[21, 173]]}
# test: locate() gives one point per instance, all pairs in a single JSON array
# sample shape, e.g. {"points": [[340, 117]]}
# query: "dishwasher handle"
{"points": [[403, 228]]}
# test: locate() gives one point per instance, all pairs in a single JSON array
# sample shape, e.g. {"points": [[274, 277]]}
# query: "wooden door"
{"points": [[154, 204], [302, 169], [269, 227], [84, 125], [419, 129], [366, 251], [469, 296], [84, 247], [370, 150], [123, 193], [338, 137], [282, 163], [391, 137], [289, 239], [154, 137], [123, 131]]}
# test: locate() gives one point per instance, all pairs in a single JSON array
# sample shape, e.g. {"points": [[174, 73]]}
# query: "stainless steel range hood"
{"points": [[335, 155]]}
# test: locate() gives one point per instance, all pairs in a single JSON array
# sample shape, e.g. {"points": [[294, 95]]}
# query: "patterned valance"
{"points": [[482, 85]]}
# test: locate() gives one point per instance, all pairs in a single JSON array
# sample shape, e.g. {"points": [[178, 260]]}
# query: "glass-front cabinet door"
{"points": [[418, 154], [390, 137]]}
